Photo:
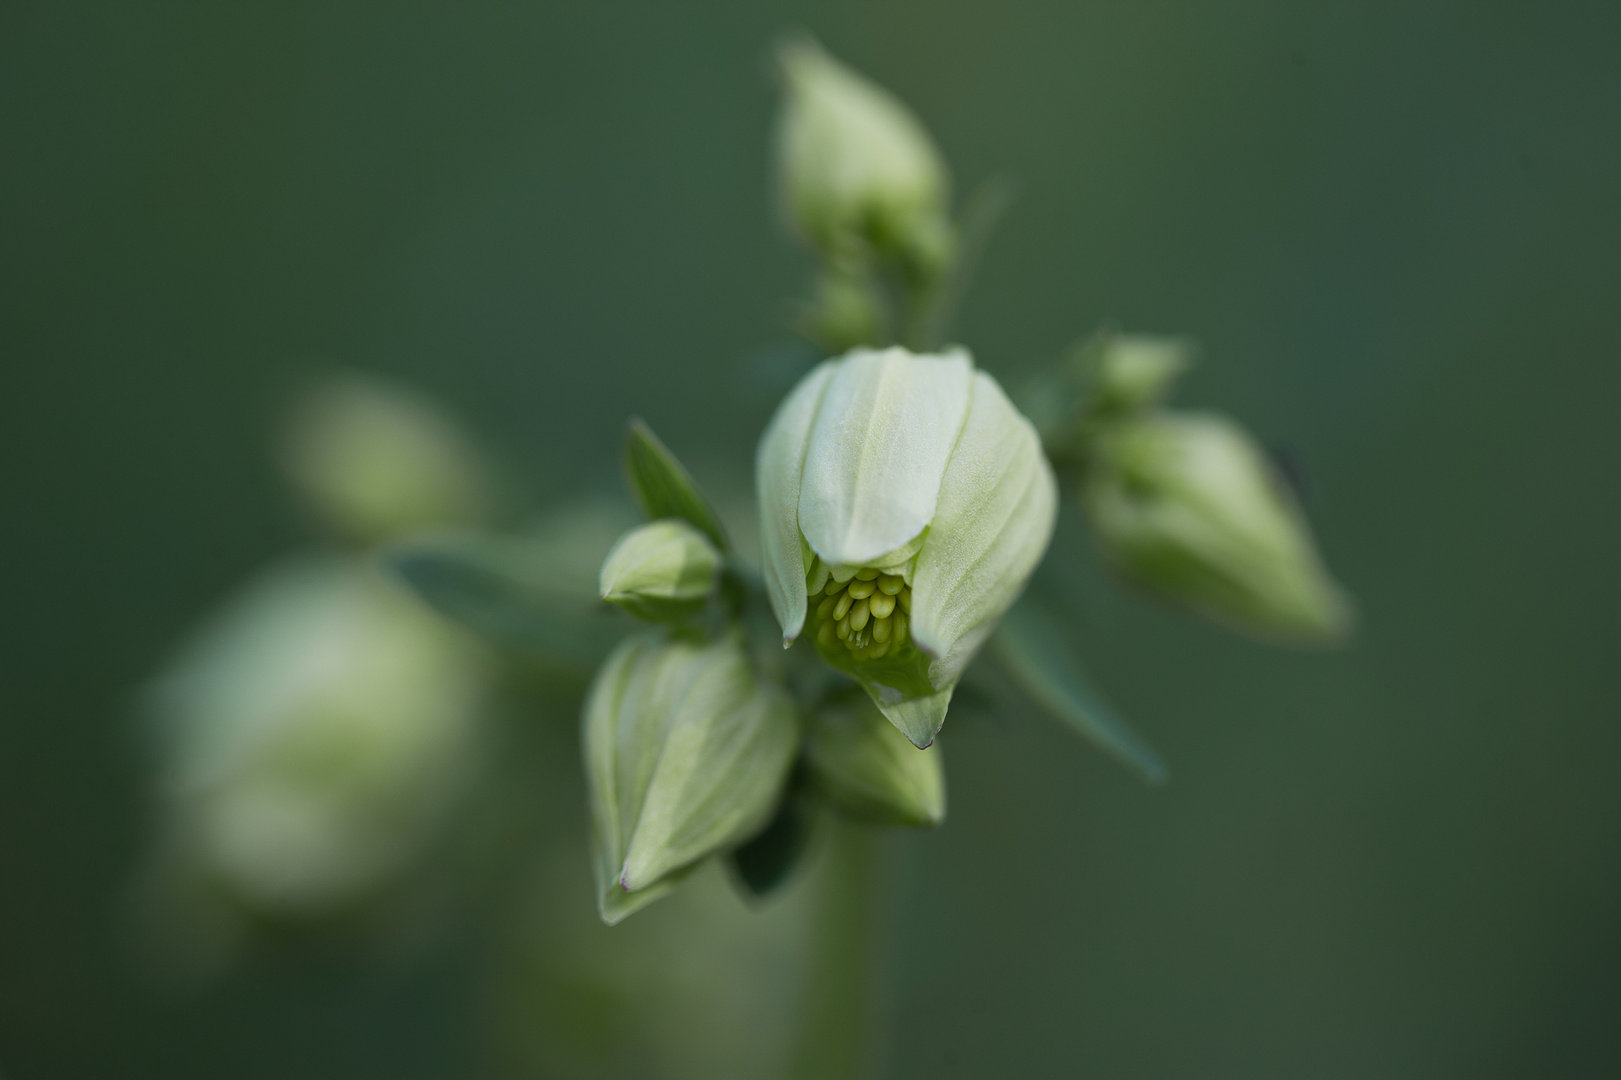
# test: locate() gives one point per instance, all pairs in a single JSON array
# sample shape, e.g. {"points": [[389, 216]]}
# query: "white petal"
{"points": [[878, 451], [778, 465], [997, 505]]}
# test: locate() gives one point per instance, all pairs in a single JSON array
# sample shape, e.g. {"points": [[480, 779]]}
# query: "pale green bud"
{"points": [[1188, 506], [904, 502], [315, 736], [858, 171], [662, 571], [376, 461], [1134, 371], [846, 312], [871, 771], [686, 752]]}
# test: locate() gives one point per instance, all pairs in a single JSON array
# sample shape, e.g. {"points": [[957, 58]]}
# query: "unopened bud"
{"points": [[845, 313], [661, 571], [375, 461], [315, 735], [1187, 506], [871, 771], [858, 171], [686, 753], [1135, 371]]}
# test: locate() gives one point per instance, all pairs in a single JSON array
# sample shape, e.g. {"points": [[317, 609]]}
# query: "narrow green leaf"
{"points": [[980, 217], [663, 487], [1033, 651], [505, 589]]}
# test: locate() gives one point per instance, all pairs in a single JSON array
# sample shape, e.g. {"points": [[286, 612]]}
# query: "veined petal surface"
{"points": [[997, 504], [878, 451], [778, 466], [685, 753]]}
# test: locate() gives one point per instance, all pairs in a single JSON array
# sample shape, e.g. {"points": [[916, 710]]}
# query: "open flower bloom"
{"points": [[904, 502]]}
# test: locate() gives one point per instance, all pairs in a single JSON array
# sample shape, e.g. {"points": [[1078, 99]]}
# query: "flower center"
{"points": [[867, 614]]}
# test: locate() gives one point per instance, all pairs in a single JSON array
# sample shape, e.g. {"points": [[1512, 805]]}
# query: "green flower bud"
{"points": [[376, 461], [1188, 506], [1134, 371], [847, 312], [904, 502], [686, 752], [871, 772], [858, 171], [662, 571], [315, 736]]}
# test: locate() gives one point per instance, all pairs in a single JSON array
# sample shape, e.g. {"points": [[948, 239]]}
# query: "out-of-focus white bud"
{"points": [[858, 171], [376, 461], [1134, 370], [662, 571], [904, 502], [1188, 506], [686, 752], [871, 771], [315, 736]]}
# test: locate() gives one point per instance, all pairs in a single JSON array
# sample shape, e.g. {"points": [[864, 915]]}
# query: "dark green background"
{"points": [[1395, 228]]}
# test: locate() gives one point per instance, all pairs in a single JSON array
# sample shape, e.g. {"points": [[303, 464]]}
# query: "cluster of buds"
{"points": [[863, 184], [904, 503], [315, 735], [1188, 505]]}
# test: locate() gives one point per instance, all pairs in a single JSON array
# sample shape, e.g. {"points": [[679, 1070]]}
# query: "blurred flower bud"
{"points": [[376, 461], [904, 502], [858, 170], [662, 571], [315, 737], [846, 312], [1187, 506], [871, 772], [686, 752], [1134, 371]]}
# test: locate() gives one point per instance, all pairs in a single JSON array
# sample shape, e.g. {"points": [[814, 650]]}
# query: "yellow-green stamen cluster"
{"points": [[866, 614]]}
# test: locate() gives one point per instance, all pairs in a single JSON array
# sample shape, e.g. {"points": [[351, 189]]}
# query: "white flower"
{"points": [[904, 502]]}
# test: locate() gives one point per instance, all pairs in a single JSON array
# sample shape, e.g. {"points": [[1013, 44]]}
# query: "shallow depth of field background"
{"points": [[1394, 228]]}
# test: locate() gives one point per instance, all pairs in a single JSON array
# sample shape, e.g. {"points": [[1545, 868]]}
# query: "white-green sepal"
{"points": [[662, 571], [1188, 506], [686, 752], [870, 772]]}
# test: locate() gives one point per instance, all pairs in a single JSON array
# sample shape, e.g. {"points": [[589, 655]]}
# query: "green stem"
{"points": [[837, 1041]]}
